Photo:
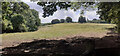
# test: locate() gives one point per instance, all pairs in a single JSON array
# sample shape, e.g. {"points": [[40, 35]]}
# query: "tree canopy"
{"points": [[68, 19], [50, 7], [82, 19], [17, 17], [55, 21], [62, 21], [110, 11]]}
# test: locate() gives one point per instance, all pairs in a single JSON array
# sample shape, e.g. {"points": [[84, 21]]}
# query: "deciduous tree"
{"points": [[82, 19], [68, 19], [55, 21], [17, 16], [62, 21]]}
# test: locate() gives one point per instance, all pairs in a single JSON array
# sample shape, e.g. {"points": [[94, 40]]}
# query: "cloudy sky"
{"points": [[61, 14]]}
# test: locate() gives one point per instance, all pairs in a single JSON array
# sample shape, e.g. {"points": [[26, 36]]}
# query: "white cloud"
{"points": [[61, 14], [25, 0], [91, 15]]}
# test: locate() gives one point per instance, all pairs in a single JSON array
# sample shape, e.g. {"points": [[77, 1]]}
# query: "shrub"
{"points": [[81, 19], [55, 21], [62, 20], [68, 19], [97, 21]]}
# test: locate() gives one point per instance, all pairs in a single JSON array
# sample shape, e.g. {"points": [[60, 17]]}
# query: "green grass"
{"points": [[58, 30]]}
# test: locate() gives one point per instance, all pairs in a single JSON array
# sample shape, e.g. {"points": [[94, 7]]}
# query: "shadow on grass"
{"points": [[68, 47], [112, 31], [76, 46]]}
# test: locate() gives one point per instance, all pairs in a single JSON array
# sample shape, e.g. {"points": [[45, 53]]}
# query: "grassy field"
{"points": [[57, 30]]}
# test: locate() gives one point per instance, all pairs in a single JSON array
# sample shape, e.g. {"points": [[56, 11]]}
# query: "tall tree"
{"points": [[82, 19], [17, 16]]}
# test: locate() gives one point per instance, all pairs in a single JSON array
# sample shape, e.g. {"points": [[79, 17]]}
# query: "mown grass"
{"points": [[58, 30]]}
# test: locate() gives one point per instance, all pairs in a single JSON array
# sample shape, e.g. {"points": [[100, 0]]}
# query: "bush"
{"points": [[97, 21], [68, 19], [81, 19], [55, 21], [62, 21]]}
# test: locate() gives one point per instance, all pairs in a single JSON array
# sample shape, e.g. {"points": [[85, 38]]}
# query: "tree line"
{"points": [[81, 19], [68, 20], [18, 17]]}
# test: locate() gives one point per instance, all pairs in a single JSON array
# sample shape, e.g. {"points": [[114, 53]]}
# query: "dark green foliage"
{"points": [[32, 19], [96, 21], [17, 21], [82, 19], [6, 25], [62, 21], [17, 17], [68, 19], [50, 7], [110, 11], [55, 21]]}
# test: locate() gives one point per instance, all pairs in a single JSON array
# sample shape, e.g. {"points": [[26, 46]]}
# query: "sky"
{"points": [[61, 14]]}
